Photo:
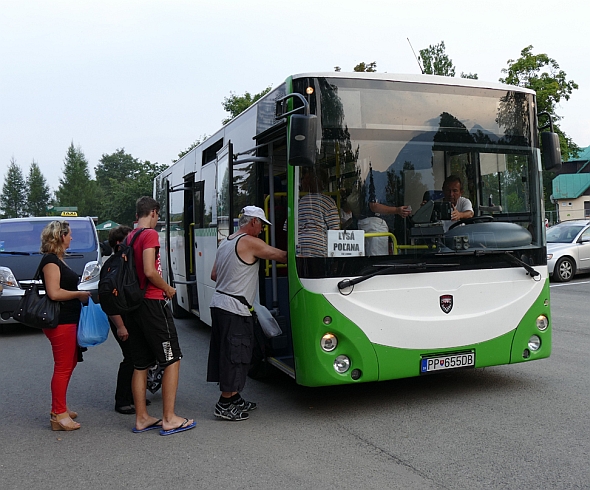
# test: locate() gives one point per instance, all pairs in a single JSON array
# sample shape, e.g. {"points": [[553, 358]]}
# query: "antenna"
{"points": [[417, 59]]}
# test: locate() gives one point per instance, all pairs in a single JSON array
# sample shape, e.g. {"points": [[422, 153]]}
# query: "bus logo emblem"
{"points": [[446, 303]]}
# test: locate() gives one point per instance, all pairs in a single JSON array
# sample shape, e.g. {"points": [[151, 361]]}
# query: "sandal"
{"points": [[63, 421]]}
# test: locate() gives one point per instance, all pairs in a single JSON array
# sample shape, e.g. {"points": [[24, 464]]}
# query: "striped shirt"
{"points": [[317, 214]]}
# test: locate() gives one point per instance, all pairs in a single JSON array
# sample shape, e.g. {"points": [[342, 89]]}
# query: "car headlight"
{"points": [[549, 256], [91, 271], [7, 278]]}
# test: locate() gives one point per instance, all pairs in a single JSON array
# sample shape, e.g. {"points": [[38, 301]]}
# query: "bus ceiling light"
{"points": [[534, 343], [329, 342], [341, 364], [309, 90], [542, 323]]}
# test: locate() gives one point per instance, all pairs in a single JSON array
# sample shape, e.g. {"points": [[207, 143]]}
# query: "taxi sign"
{"points": [[69, 213]]}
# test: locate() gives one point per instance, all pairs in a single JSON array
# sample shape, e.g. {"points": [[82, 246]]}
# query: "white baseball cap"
{"points": [[255, 212]]}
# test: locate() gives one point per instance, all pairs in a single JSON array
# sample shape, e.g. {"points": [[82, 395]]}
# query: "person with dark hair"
{"points": [[152, 333], [235, 271], [461, 206], [123, 394], [61, 284]]}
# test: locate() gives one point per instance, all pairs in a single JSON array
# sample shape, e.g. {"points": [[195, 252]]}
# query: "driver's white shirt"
{"points": [[463, 204]]}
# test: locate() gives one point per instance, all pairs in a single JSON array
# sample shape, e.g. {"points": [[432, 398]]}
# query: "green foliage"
{"points": [[75, 186], [194, 144], [13, 198], [122, 179], [436, 62], [367, 67], [473, 76], [38, 192], [236, 104], [541, 73]]}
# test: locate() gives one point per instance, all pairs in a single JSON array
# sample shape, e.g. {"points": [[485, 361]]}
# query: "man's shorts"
{"points": [[152, 335], [230, 349]]}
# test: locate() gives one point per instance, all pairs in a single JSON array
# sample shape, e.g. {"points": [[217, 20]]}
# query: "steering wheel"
{"points": [[485, 218]]}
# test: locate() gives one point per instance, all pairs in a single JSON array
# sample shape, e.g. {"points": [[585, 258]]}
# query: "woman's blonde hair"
{"points": [[52, 237]]}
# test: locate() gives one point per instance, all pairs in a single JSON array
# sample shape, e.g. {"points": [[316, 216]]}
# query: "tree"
{"points": [[542, 74], [194, 144], [122, 179], [236, 104], [473, 76], [75, 186], [13, 197], [436, 62], [38, 192], [366, 67]]}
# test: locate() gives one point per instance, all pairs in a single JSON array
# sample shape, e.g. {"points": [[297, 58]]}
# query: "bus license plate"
{"points": [[452, 361]]}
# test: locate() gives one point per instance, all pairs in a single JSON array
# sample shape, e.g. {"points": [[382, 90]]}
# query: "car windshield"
{"points": [[563, 234], [25, 236]]}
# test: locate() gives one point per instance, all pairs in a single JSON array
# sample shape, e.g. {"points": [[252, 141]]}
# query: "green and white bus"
{"points": [[434, 298]]}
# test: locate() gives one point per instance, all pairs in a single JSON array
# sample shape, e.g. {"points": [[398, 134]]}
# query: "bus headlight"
{"points": [[341, 364], [534, 343], [542, 323], [329, 342]]}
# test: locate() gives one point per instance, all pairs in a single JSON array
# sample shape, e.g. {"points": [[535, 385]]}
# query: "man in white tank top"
{"points": [[232, 337]]}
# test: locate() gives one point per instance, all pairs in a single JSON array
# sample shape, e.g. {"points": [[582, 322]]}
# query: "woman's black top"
{"points": [[69, 310]]}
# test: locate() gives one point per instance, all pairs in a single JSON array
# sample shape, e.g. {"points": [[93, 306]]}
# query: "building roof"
{"points": [[584, 155], [570, 186]]}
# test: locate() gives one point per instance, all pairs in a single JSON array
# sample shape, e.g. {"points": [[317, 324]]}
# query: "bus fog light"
{"points": [[526, 354], [329, 342], [341, 364], [356, 374], [542, 323], [534, 343]]}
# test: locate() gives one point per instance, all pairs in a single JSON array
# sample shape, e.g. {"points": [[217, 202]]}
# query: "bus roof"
{"points": [[427, 79]]}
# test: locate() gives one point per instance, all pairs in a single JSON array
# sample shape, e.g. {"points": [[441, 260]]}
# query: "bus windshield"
{"points": [[392, 147]]}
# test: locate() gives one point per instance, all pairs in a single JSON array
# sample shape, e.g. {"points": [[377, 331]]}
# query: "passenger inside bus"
{"points": [[317, 214]]}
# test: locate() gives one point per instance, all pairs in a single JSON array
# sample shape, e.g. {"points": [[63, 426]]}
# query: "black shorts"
{"points": [[152, 335], [230, 349]]}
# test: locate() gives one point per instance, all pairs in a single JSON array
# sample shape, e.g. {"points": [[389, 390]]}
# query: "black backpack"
{"points": [[119, 291]]}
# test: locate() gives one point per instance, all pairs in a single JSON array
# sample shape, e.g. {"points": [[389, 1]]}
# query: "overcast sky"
{"points": [[149, 76]]}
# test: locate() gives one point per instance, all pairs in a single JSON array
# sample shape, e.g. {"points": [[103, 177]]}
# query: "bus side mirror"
{"points": [[551, 150], [302, 142]]}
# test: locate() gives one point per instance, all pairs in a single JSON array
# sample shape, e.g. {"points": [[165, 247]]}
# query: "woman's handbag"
{"points": [[93, 328], [35, 310]]}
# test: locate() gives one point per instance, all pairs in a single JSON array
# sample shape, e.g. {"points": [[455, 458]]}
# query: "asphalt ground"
{"points": [[502, 427]]}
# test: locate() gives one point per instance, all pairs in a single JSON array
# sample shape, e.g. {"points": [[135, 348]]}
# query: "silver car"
{"points": [[568, 249]]}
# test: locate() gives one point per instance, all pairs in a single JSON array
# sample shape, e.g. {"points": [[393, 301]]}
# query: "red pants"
{"points": [[65, 357]]}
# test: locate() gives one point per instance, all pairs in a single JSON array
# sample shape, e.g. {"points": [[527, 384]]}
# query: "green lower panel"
{"points": [[314, 367]]}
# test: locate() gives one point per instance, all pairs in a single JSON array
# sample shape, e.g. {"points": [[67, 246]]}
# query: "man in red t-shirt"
{"points": [[152, 333]]}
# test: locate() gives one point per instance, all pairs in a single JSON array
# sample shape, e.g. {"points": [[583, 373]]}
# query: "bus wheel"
{"points": [[564, 269]]}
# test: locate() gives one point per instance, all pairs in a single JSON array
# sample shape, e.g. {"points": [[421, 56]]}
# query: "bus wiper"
{"points": [[12, 252], [346, 283], [511, 258]]}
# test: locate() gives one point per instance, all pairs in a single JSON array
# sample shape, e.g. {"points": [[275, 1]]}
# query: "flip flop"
{"points": [[181, 428], [156, 425]]}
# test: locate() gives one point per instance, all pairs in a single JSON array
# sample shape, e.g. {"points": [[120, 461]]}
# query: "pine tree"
{"points": [[75, 187], [38, 192], [13, 197]]}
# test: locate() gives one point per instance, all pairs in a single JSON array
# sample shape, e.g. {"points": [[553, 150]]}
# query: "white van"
{"points": [[20, 242]]}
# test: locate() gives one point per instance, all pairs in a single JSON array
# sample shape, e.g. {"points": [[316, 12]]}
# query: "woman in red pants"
{"points": [[61, 284]]}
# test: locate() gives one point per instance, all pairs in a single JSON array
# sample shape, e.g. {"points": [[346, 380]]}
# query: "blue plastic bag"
{"points": [[93, 328]]}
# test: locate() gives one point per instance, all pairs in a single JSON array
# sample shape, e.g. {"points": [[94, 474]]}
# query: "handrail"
{"points": [[268, 265], [385, 233]]}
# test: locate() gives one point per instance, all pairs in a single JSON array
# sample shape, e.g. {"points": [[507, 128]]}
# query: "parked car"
{"points": [[568, 249], [20, 241]]}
